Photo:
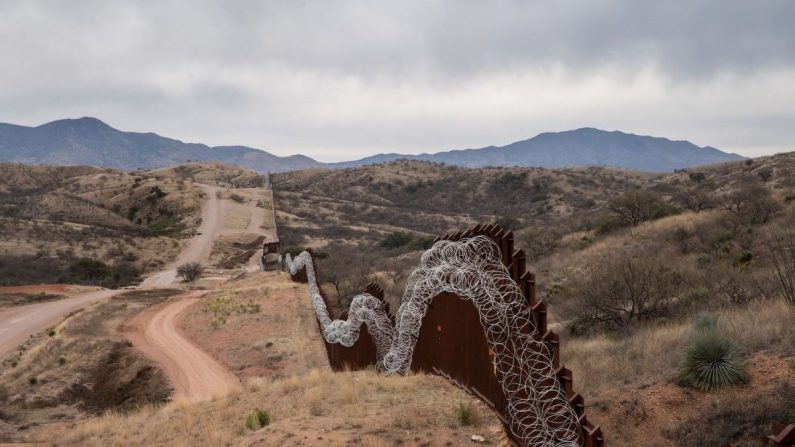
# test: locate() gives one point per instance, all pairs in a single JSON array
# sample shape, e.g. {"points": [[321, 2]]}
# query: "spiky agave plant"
{"points": [[712, 360]]}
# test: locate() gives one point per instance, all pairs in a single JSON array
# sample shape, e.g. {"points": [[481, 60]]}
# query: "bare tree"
{"points": [[636, 206], [697, 198], [539, 243], [782, 253], [619, 292], [190, 271], [751, 202]]}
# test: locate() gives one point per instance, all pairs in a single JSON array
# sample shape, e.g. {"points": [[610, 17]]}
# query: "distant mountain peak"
{"points": [[90, 141], [86, 122], [585, 146]]}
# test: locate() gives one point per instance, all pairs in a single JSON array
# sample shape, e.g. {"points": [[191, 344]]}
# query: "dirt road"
{"points": [[194, 374], [198, 248], [18, 323]]}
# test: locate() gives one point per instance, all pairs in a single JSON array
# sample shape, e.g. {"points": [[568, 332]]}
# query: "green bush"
{"points": [[742, 258], [258, 419], [463, 413], [396, 240], [33, 380], [422, 243], [711, 360]]}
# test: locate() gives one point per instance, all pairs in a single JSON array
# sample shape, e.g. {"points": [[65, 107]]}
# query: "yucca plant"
{"points": [[711, 359]]}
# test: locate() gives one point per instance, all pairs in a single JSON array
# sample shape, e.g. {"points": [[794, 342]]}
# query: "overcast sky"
{"points": [[342, 80]]}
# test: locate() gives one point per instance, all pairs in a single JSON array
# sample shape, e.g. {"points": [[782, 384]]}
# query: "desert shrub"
{"points": [[422, 243], [711, 359], [751, 203], [249, 308], [605, 223], [90, 269], [743, 257], [782, 253], [738, 421], [682, 238], [509, 222], [190, 271], [636, 206], [765, 174], [463, 414], [168, 226], [396, 240], [509, 181], [696, 198], [538, 243], [237, 198], [33, 380], [155, 194], [620, 291], [258, 419]]}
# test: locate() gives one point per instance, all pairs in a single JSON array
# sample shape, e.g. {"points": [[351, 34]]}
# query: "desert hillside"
{"points": [[631, 264], [636, 268]]}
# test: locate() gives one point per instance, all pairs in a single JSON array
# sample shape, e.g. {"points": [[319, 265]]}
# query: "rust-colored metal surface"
{"points": [[452, 342], [783, 435]]}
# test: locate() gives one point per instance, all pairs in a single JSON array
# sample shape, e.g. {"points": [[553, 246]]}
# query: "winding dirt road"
{"points": [[155, 332], [194, 374], [18, 323]]}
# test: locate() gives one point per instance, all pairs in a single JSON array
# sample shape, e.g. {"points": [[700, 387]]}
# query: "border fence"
{"points": [[452, 342]]}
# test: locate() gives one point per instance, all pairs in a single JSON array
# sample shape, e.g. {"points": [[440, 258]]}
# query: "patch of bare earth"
{"points": [[278, 340]]}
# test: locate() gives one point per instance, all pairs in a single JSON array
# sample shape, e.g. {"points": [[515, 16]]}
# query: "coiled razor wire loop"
{"points": [[471, 269]]}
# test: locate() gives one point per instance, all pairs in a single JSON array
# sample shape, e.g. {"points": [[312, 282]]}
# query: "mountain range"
{"points": [[89, 141]]}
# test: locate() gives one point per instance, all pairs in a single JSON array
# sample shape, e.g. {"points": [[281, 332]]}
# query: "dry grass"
{"points": [[317, 408], [651, 354]]}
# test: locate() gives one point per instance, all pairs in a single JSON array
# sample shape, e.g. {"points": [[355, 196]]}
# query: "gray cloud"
{"points": [[339, 80]]}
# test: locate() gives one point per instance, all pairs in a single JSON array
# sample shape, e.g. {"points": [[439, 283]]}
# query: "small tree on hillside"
{"points": [[634, 207], [619, 292], [697, 198], [190, 271], [782, 253], [539, 243]]}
